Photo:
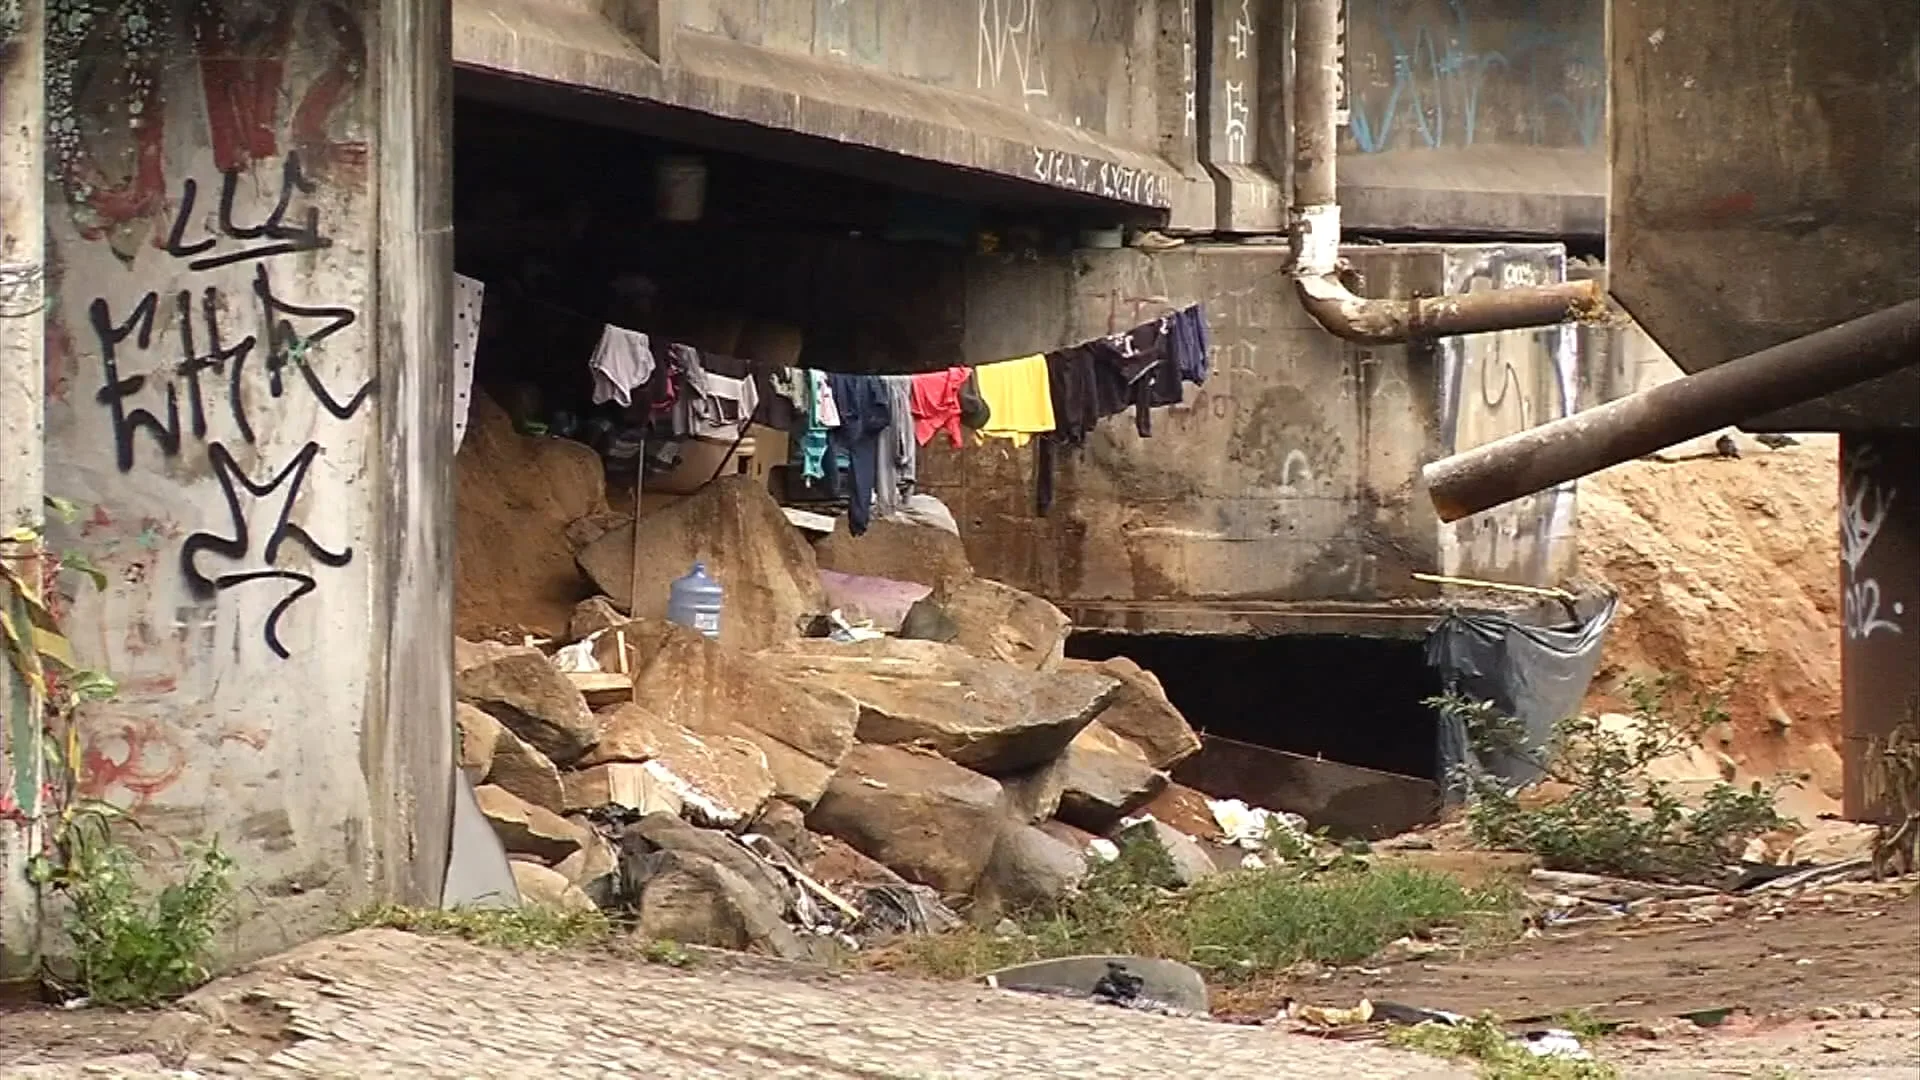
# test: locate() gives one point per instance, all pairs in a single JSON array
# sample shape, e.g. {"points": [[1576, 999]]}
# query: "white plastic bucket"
{"points": [[680, 189]]}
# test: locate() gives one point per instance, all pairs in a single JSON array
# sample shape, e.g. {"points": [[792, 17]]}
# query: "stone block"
{"points": [[521, 688], [920, 815]]}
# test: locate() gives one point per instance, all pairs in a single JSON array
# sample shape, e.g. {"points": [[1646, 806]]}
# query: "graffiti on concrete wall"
{"points": [[200, 353], [107, 118], [1864, 504], [1010, 53], [1493, 385], [1078, 172], [1428, 74]]}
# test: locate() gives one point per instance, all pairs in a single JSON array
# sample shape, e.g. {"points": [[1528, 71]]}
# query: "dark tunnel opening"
{"points": [[1355, 700]]}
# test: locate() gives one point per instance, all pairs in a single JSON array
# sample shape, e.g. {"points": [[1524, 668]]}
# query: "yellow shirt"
{"points": [[1019, 398]]}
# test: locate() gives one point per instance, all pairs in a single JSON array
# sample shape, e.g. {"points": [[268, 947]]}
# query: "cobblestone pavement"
{"points": [[380, 1003]]}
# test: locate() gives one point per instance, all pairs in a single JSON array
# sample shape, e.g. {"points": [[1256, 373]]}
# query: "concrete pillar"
{"points": [[1247, 200], [1880, 598], [22, 462], [249, 398]]}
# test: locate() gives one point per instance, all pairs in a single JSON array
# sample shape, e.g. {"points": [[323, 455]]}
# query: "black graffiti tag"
{"points": [[281, 238], [239, 546]]}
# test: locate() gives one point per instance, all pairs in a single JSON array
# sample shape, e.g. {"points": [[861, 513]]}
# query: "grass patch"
{"points": [[1484, 1042], [521, 928], [1235, 927]]}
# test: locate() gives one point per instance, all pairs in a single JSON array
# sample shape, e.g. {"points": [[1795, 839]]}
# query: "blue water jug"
{"points": [[694, 601]]}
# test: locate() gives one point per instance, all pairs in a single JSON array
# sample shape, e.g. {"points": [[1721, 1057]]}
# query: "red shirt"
{"points": [[936, 404]]}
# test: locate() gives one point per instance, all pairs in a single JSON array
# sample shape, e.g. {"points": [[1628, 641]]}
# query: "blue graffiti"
{"points": [[1440, 78]]}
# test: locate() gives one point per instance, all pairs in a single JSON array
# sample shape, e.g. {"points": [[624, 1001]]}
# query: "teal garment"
{"points": [[813, 441]]}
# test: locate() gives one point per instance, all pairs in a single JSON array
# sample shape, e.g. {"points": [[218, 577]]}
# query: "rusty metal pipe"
{"points": [[1315, 223], [1567, 449], [1389, 322]]}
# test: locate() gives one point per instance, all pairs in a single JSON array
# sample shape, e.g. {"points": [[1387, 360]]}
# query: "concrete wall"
{"points": [[1470, 116], [1291, 477], [1476, 116], [248, 400], [1727, 237]]}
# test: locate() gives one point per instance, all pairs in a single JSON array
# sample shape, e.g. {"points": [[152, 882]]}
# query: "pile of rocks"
{"points": [[726, 792]]}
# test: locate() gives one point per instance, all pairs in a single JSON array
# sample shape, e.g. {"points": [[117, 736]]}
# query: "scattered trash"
{"points": [[1328, 1017], [846, 633], [1555, 1043], [1118, 986], [578, 658], [1103, 849], [1249, 827]]}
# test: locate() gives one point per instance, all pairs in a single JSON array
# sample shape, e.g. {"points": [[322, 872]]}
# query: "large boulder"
{"points": [[1000, 622], [1105, 779], [521, 688], [894, 549], [664, 832], [514, 498], [733, 525], [1141, 713], [1033, 796], [594, 870], [1191, 863], [1029, 868], [721, 780], [696, 901], [526, 829], [618, 785], [526, 772], [593, 615], [918, 814], [987, 715], [710, 689], [542, 887], [479, 736]]}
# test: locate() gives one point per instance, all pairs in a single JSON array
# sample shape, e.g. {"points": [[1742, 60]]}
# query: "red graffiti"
{"points": [[313, 117], [242, 81], [84, 93], [149, 763], [1737, 204], [243, 71]]}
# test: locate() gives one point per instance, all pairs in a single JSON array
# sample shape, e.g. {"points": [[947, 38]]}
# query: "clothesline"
{"points": [[868, 428]]}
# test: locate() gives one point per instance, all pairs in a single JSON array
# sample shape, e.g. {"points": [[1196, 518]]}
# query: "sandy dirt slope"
{"points": [[1712, 556]]}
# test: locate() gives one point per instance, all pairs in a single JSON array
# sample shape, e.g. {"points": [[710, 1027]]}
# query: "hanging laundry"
{"points": [[936, 403], [1187, 336], [1018, 397], [973, 408], [1135, 369], [829, 412], [862, 404], [899, 448], [813, 441], [715, 406], [468, 295], [622, 362]]}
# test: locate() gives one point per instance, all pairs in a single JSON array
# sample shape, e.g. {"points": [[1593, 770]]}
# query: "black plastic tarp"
{"points": [[1536, 674]]}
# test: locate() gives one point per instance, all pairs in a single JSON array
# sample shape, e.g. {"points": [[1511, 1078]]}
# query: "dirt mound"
{"points": [[514, 498], [1714, 556]]}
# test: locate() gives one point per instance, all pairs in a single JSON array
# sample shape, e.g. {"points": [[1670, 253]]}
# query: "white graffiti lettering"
{"points": [[1236, 121], [1863, 513], [1007, 33], [1077, 172]]}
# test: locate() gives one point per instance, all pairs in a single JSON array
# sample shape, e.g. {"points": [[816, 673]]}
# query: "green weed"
{"points": [[131, 946], [1239, 925], [533, 926], [1484, 1042]]}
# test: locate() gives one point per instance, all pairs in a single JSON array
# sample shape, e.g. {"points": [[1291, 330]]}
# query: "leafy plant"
{"points": [[132, 947], [1614, 817]]}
